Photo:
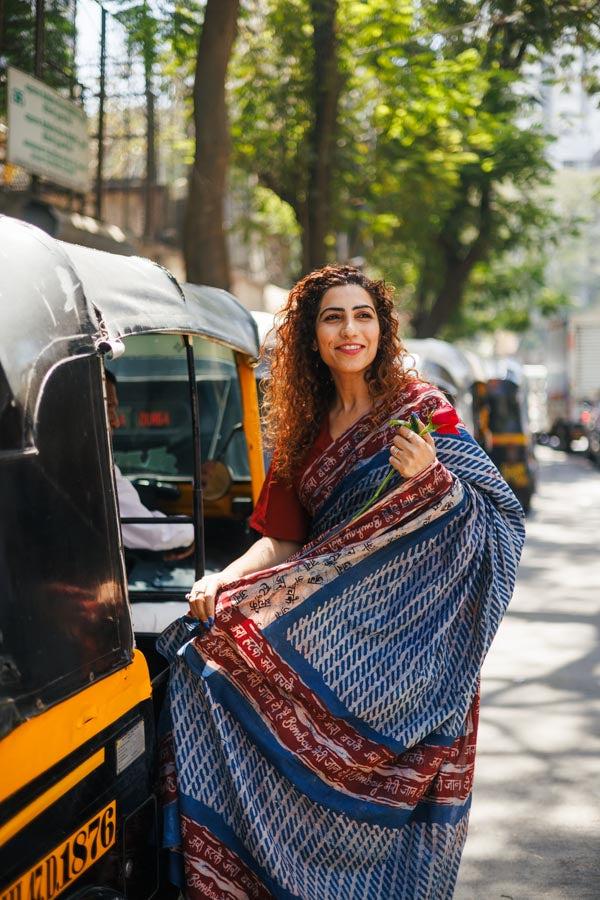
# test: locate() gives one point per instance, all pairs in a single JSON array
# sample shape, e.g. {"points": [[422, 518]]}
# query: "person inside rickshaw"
{"points": [[174, 539]]}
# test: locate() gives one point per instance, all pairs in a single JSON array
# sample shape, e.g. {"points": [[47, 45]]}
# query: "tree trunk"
{"points": [[326, 89], [440, 292], [433, 313], [204, 240]]}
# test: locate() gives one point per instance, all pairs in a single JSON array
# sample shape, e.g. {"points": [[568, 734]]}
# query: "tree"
{"points": [[326, 84], [437, 168], [287, 85], [204, 243], [17, 43], [494, 205], [144, 35]]}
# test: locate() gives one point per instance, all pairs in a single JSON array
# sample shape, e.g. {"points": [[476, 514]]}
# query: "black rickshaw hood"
{"points": [[45, 320], [137, 296], [59, 301], [223, 318]]}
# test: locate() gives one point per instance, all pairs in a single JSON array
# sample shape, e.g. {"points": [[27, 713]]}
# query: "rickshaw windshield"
{"points": [[153, 438], [506, 416]]}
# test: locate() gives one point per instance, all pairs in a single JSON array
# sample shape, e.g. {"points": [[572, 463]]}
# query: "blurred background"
{"points": [[452, 148]]}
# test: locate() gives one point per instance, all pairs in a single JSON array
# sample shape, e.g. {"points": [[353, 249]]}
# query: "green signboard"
{"points": [[47, 135]]}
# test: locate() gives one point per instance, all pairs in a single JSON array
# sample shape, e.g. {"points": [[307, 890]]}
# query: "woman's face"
{"points": [[347, 330]]}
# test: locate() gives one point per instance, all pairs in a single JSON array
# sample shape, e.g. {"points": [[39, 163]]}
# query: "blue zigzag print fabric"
{"points": [[319, 741]]}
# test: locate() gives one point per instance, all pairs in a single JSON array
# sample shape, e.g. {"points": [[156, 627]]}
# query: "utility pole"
{"points": [[149, 50], [40, 21], [101, 99], [38, 65], [2, 19]]}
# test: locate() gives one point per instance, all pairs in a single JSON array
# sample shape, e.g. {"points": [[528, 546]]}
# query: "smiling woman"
{"points": [[303, 389], [328, 693]]}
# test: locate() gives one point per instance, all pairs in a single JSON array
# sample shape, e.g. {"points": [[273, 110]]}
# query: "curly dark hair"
{"points": [[300, 391]]}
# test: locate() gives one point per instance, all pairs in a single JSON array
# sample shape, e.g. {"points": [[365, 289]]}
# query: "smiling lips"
{"points": [[350, 348]]}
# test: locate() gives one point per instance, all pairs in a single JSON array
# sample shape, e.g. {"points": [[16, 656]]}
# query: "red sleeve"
{"points": [[278, 512]]}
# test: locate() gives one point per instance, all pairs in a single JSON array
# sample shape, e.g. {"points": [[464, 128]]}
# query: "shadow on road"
{"points": [[535, 824]]}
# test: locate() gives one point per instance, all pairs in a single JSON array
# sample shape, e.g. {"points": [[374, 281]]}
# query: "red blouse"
{"points": [[278, 512]]}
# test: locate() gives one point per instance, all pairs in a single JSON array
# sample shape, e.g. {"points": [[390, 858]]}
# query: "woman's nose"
{"points": [[348, 327]]}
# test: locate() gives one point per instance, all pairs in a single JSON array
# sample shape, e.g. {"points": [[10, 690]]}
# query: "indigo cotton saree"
{"points": [[321, 739]]}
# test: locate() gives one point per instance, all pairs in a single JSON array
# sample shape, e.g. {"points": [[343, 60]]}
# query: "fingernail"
{"points": [[206, 625], [211, 621]]}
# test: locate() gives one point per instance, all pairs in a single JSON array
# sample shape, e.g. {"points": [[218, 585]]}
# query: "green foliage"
{"points": [[180, 30], [165, 34], [271, 97], [143, 30], [261, 218], [455, 158], [438, 171], [505, 294], [440, 179], [18, 44]]}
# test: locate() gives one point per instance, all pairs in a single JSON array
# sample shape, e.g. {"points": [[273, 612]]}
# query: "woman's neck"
{"points": [[352, 400]]}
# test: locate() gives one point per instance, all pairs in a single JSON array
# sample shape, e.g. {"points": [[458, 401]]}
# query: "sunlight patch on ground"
{"points": [[534, 649]]}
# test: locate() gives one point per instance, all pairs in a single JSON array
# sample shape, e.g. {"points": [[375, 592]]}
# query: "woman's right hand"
{"points": [[203, 595], [263, 554]]}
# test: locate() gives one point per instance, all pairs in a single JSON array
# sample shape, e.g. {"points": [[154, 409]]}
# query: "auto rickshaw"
{"points": [[452, 370], [509, 442], [77, 699]]}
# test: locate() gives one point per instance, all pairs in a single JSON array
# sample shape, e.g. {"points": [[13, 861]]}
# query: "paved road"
{"points": [[535, 822]]}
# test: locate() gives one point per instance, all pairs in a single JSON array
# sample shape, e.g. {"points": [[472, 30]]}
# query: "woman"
{"points": [[324, 716]]}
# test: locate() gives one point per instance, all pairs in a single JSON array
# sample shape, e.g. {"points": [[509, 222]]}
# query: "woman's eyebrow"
{"points": [[341, 308]]}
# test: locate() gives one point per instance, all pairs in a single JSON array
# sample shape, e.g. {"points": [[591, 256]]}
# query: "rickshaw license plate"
{"points": [[55, 872]]}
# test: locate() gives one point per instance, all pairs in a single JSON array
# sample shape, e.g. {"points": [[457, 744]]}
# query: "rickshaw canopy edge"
{"points": [[59, 301]]}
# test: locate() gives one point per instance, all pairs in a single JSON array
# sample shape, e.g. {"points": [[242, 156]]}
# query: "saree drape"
{"points": [[320, 739]]}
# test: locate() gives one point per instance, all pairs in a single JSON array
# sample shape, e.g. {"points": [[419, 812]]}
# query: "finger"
{"points": [[428, 438], [197, 607], [198, 601], [396, 460], [202, 599], [404, 436], [209, 609]]}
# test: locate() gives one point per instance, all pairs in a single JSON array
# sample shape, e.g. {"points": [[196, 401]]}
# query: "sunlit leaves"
{"points": [[17, 41]]}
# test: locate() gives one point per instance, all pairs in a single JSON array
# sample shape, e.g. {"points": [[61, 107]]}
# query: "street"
{"points": [[535, 821]]}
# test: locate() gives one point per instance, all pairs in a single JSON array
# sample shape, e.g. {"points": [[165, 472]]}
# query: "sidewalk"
{"points": [[535, 822]]}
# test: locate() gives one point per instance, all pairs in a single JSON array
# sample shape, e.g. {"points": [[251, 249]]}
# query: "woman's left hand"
{"points": [[410, 453]]}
